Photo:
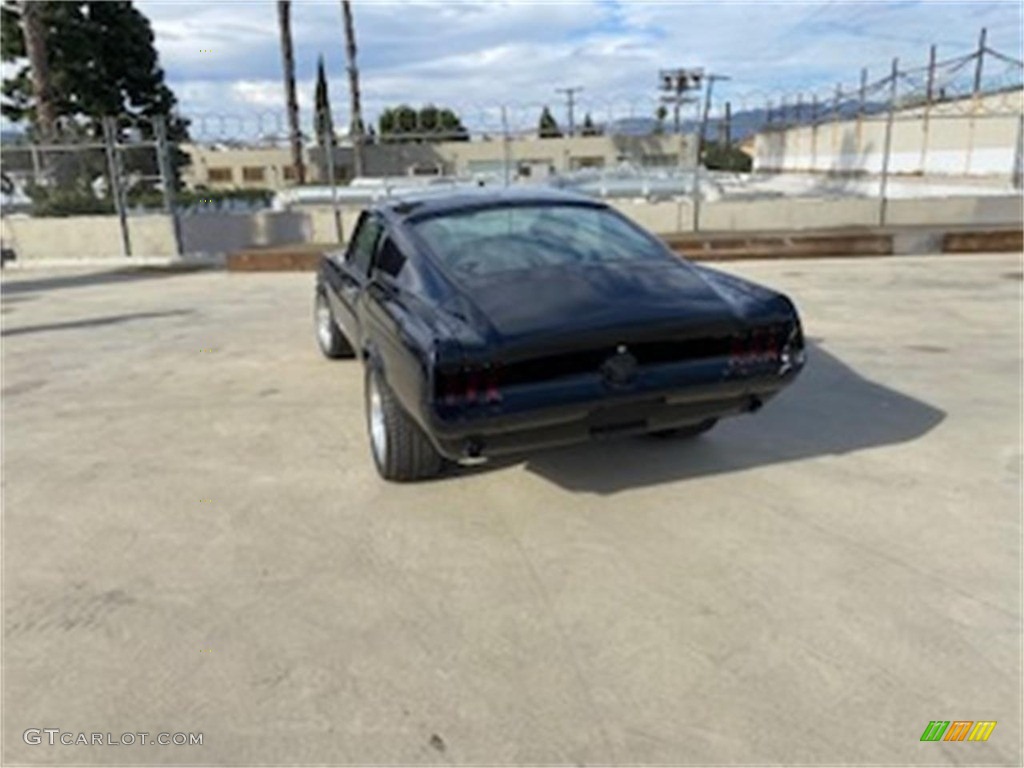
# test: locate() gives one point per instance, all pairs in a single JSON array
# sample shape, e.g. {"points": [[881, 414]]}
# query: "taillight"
{"points": [[470, 387], [492, 392], [759, 345], [448, 389]]}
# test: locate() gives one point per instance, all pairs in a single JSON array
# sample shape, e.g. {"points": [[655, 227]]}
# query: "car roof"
{"points": [[433, 203]]}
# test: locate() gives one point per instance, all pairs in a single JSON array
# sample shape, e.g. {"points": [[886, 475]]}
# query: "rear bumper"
{"points": [[500, 434]]}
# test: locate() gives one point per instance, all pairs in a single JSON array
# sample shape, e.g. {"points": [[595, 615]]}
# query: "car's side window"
{"points": [[389, 259], [364, 243]]}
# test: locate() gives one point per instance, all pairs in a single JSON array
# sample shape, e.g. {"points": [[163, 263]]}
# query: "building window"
{"points": [[288, 171], [486, 167], [220, 175], [659, 161], [576, 163], [425, 169], [253, 173]]}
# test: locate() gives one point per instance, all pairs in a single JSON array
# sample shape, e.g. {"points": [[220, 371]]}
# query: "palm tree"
{"points": [[356, 128], [284, 24]]}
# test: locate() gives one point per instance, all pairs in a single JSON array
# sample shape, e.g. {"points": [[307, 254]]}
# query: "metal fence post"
{"points": [[696, 185], [506, 148], [163, 156], [979, 65], [36, 167], [327, 145], [116, 190], [884, 186], [928, 95], [1018, 160]]}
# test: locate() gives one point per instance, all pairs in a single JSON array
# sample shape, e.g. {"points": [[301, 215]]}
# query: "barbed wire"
{"points": [[983, 83]]}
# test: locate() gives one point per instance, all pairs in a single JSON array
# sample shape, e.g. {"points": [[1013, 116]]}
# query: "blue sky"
{"points": [[477, 55]]}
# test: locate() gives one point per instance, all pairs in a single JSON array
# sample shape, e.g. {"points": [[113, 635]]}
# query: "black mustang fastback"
{"points": [[497, 322]]}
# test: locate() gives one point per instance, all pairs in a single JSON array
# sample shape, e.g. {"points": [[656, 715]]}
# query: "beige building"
{"points": [[271, 168]]}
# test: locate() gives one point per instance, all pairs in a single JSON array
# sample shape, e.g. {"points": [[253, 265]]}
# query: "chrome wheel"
{"points": [[378, 433], [324, 321]]}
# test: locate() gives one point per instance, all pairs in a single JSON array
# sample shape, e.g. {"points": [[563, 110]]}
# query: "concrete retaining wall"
{"points": [[788, 214], [92, 237], [86, 237], [957, 211]]}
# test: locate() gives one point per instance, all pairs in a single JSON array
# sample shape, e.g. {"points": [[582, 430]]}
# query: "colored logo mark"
{"points": [[958, 730]]}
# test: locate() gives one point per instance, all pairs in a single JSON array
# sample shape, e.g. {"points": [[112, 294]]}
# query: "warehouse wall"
{"points": [[966, 137]]}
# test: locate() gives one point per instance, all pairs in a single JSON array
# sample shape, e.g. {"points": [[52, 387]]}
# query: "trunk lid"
{"points": [[546, 309]]}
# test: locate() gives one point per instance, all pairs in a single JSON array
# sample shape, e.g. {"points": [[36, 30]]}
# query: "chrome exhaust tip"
{"points": [[472, 454]]}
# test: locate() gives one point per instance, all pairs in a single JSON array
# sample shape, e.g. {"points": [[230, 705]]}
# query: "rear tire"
{"points": [[401, 452], [329, 338], [692, 430]]}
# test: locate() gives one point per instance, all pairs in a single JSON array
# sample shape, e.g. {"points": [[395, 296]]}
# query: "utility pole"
{"points": [[356, 128], [34, 31], [728, 123], [570, 98]]}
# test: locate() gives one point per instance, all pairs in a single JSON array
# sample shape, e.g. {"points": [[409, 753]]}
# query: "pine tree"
{"points": [[101, 61], [547, 128], [322, 108], [323, 123]]}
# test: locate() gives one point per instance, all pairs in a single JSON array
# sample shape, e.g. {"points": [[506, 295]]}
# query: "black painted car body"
{"points": [[501, 322]]}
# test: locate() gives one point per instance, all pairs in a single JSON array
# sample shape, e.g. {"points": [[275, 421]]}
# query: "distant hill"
{"points": [[745, 123]]}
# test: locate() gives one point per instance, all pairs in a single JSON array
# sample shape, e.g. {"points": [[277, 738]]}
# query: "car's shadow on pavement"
{"points": [[829, 410]]}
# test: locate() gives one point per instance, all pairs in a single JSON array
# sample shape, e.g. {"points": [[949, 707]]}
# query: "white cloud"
{"points": [[224, 56]]}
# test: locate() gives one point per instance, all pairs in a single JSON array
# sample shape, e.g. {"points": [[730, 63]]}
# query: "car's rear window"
{"points": [[523, 237]]}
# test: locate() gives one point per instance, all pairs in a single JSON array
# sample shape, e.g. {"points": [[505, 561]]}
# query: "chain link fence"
{"points": [[124, 166], [950, 126]]}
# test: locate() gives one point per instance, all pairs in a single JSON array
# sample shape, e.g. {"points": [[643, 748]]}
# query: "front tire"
{"points": [[401, 452], [329, 338]]}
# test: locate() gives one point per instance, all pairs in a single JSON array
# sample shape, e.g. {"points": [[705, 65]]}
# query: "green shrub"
{"points": [[723, 157], [67, 201]]}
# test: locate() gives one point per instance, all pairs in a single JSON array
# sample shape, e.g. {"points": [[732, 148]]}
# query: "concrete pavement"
{"points": [[194, 540]]}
